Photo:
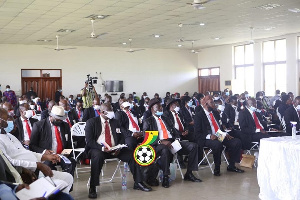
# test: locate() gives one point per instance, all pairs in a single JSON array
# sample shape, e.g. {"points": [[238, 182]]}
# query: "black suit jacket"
{"points": [[44, 114], [122, 117], [290, 115], [229, 113], [41, 136], [88, 113], [186, 114], [168, 114], [246, 122], [20, 132], [151, 125], [72, 114], [93, 130], [198, 109]]}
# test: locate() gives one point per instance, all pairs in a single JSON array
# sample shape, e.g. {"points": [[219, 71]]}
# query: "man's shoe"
{"points": [[92, 192], [142, 186], [204, 163], [165, 183], [217, 172], [154, 182], [191, 177], [235, 169]]}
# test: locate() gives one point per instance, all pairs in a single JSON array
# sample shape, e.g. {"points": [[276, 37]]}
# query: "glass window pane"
{"points": [[204, 72], [239, 55], [280, 50], [240, 80], [268, 51], [249, 80], [249, 57], [215, 71], [299, 48], [281, 77], [270, 80]]}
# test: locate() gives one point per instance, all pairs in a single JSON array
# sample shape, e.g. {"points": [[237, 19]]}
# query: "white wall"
{"points": [[223, 56], [152, 70]]}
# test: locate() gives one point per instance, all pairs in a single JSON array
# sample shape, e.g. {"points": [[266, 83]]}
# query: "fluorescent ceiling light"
{"points": [[179, 45], [269, 6], [45, 40], [294, 10], [124, 43], [62, 30], [156, 35], [202, 24]]}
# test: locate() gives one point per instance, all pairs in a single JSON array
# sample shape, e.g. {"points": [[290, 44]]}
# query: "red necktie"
{"points": [[39, 108], [58, 140], [79, 114], [27, 127], [68, 121], [98, 112], [163, 128], [257, 124], [134, 125], [214, 123], [107, 134], [179, 123], [197, 103]]}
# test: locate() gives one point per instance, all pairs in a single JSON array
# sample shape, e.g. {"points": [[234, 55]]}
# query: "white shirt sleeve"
{"points": [[22, 163], [208, 136]]}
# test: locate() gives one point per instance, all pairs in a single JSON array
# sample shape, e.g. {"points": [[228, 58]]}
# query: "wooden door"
{"points": [[35, 83], [208, 83], [50, 86]]}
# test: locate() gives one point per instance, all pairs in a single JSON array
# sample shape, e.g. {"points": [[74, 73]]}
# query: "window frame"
{"points": [[209, 69]]}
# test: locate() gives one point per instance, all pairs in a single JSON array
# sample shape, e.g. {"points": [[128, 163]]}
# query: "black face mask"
{"points": [[209, 108], [56, 123]]}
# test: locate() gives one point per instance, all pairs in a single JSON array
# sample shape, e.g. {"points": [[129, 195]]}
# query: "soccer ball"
{"points": [[145, 155]]}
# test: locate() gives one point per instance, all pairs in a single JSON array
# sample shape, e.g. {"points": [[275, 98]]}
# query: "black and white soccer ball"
{"points": [[144, 154]]}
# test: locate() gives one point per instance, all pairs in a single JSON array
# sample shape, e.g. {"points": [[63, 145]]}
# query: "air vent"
{"points": [[94, 16], [65, 30]]}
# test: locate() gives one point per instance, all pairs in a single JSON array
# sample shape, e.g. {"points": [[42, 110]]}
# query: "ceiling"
{"points": [[27, 21]]}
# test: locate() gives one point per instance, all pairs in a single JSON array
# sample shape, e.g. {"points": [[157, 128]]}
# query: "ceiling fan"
{"points": [[57, 46], [132, 50], [251, 41], [181, 39], [199, 4], [93, 35], [193, 50]]}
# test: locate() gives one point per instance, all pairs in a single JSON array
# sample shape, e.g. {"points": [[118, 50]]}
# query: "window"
{"points": [[209, 72], [244, 70], [274, 61]]}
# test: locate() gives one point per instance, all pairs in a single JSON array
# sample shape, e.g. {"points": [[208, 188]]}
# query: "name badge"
{"points": [[118, 130]]}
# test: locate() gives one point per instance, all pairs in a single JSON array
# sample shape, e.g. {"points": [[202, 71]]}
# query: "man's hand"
{"points": [[166, 143], [213, 137], [46, 170], [48, 152], [106, 150], [263, 131], [54, 158], [192, 123], [138, 135], [21, 186], [27, 174], [229, 137], [273, 129], [116, 152], [185, 133], [27, 142]]}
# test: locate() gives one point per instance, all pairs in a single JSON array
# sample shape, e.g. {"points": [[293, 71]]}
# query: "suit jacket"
{"points": [[72, 114], [186, 115], [291, 115], [41, 136], [122, 117], [93, 130], [44, 114], [198, 109], [168, 114], [151, 125], [246, 122], [20, 132], [88, 114], [229, 113]]}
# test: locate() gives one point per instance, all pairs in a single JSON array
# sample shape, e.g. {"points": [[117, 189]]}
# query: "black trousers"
{"points": [[97, 160], [257, 136], [233, 146], [132, 142], [245, 139], [188, 148], [70, 168]]}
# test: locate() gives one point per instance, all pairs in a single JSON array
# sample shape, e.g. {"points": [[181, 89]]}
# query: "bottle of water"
{"points": [[160, 176], [294, 130], [124, 181], [126, 167]]}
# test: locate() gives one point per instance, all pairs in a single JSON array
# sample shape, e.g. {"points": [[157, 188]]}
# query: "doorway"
{"points": [[208, 79]]}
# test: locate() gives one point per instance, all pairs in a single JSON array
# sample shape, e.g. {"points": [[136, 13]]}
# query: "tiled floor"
{"points": [[228, 186]]}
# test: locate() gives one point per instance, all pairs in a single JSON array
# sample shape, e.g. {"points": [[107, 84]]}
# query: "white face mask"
{"points": [[242, 100], [126, 104], [216, 98], [110, 115], [7, 89], [177, 109], [32, 107], [242, 107], [246, 95], [97, 107], [298, 107], [28, 114], [22, 102], [252, 108], [261, 97], [221, 108]]}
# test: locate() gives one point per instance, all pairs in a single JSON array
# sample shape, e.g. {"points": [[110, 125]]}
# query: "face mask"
{"points": [[22, 102], [242, 107], [158, 113], [298, 107], [11, 113], [110, 115], [56, 123], [28, 114], [227, 93], [190, 104], [221, 108], [246, 95], [216, 98], [32, 107], [252, 108], [7, 89], [67, 111], [131, 106], [242, 100], [79, 98], [258, 110], [10, 126], [126, 104], [177, 109], [261, 97], [97, 107], [70, 99], [145, 97]]}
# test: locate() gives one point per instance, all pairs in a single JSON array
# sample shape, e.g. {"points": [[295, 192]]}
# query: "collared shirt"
{"points": [[88, 99], [296, 112], [189, 109], [251, 112], [101, 138], [26, 135], [54, 141], [176, 125], [236, 118], [133, 130], [160, 132], [210, 123], [81, 114], [96, 112], [17, 154]]}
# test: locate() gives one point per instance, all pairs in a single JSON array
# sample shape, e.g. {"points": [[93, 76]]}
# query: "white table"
{"points": [[278, 171]]}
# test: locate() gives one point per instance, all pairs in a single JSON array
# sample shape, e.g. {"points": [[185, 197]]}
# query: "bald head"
{"points": [[296, 101], [7, 106], [64, 103], [51, 104], [96, 101]]}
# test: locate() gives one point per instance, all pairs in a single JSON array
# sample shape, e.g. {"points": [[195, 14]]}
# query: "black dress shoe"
{"points": [[165, 183], [154, 182], [191, 177], [142, 186], [182, 165], [92, 193], [217, 172], [235, 169]]}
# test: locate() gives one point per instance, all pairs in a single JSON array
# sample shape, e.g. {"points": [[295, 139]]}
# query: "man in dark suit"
{"points": [[197, 103], [45, 113], [79, 110], [106, 129], [167, 134], [250, 124], [72, 117], [206, 126], [24, 125], [58, 94], [53, 135], [187, 113], [93, 111], [292, 115], [144, 107], [129, 125]]}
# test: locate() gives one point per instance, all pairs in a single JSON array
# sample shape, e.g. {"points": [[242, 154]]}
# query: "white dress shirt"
{"points": [[101, 138], [210, 122], [17, 154], [176, 125], [26, 135], [251, 112], [133, 130], [160, 132]]}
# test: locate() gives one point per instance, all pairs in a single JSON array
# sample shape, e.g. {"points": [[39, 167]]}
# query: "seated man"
{"points": [[93, 111], [250, 124], [106, 129], [79, 110], [166, 135], [24, 124], [292, 115], [129, 125], [20, 157], [45, 113], [206, 127], [53, 135], [72, 117]]}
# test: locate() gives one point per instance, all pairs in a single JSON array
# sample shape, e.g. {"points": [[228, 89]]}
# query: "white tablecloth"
{"points": [[278, 171]]}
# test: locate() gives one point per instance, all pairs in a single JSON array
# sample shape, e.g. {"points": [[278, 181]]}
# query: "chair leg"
{"points": [[179, 168]]}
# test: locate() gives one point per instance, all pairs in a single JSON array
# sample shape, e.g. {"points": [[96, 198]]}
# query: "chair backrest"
{"points": [[78, 129]]}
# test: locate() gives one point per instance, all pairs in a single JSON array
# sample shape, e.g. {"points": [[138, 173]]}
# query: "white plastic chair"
{"points": [[255, 146]]}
